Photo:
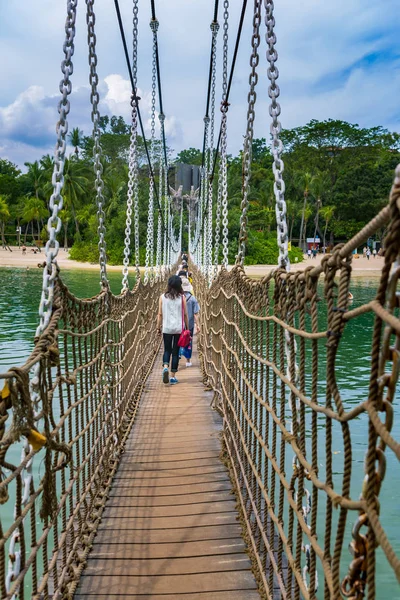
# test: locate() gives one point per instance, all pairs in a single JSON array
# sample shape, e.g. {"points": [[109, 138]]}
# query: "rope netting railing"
{"points": [[58, 455], [272, 350]]}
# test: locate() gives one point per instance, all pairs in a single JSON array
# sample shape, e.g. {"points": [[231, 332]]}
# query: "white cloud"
{"points": [[323, 61]]}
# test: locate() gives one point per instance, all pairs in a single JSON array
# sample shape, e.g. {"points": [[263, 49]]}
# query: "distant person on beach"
{"points": [[309, 253], [23, 249], [368, 253], [374, 252]]}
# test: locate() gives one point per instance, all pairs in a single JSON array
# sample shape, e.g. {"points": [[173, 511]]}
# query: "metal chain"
{"points": [[277, 146], [98, 167], [223, 162], [218, 224], [248, 142], [51, 251], [134, 145], [160, 195], [214, 30], [149, 270], [166, 209], [133, 189], [56, 199]]}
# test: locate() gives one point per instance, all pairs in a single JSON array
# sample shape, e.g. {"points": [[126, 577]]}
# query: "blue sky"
{"points": [[336, 60]]}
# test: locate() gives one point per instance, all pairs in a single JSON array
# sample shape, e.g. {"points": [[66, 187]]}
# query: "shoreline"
{"points": [[361, 267]]}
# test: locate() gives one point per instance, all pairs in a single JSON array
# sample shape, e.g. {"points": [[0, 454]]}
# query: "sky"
{"points": [[337, 59]]}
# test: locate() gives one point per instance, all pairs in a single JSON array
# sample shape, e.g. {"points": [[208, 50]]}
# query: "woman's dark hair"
{"points": [[174, 287], [182, 273], [184, 257]]}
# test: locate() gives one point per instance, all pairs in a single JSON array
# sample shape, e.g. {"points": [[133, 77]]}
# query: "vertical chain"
{"points": [[149, 270], [160, 195], [248, 141], [52, 247], [223, 162], [180, 229], [56, 199], [218, 224], [98, 167], [277, 146], [134, 146], [214, 30], [133, 189], [204, 191], [166, 209]]}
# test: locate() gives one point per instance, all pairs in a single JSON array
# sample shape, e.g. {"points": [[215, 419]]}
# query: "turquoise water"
{"points": [[19, 299]]}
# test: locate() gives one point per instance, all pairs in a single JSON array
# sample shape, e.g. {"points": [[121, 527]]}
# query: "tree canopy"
{"points": [[337, 177]]}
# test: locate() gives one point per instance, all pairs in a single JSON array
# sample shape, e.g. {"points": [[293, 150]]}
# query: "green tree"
{"points": [[4, 217], [75, 139], [327, 213], [304, 182], [319, 188], [191, 156], [35, 178], [34, 211]]}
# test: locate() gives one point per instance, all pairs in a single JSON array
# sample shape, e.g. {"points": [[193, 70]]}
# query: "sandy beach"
{"points": [[362, 267]]}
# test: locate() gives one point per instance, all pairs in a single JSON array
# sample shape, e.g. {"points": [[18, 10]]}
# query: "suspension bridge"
{"points": [[114, 485]]}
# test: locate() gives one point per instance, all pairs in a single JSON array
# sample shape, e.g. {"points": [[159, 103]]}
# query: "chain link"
{"points": [[223, 161], [160, 195], [133, 188], [214, 31], [248, 141], [98, 167], [166, 209], [56, 199], [277, 146], [149, 269], [52, 246], [134, 157]]}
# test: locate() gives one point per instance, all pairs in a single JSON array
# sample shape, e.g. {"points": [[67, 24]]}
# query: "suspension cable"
{"points": [[136, 100], [231, 73], [160, 100]]}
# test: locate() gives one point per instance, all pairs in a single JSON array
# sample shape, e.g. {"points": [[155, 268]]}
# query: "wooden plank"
{"points": [[127, 508], [169, 584], [177, 500], [181, 522], [170, 566], [126, 486], [172, 536], [157, 481], [174, 464], [133, 551], [230, 595], [128, 468]]}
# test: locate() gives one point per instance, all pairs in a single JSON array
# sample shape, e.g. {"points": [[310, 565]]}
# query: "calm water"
{"points": [[19, 298]]}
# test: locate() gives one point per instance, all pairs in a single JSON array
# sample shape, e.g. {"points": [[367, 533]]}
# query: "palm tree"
{"points": [[65, 217], [327, 213], [291, 211], [34, 210], [4, 217], [319, 186], [76, 186], [36, 177], [304, 182], [75, 138]]}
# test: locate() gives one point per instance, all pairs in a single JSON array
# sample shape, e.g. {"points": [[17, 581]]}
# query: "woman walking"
{"points": [[172, 319]]}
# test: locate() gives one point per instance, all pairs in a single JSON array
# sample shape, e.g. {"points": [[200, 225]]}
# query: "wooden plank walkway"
{"points": [[169, 530]]}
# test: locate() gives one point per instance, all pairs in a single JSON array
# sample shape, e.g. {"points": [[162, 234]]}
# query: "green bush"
{"points": [[294, 253], [84, 252]]}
